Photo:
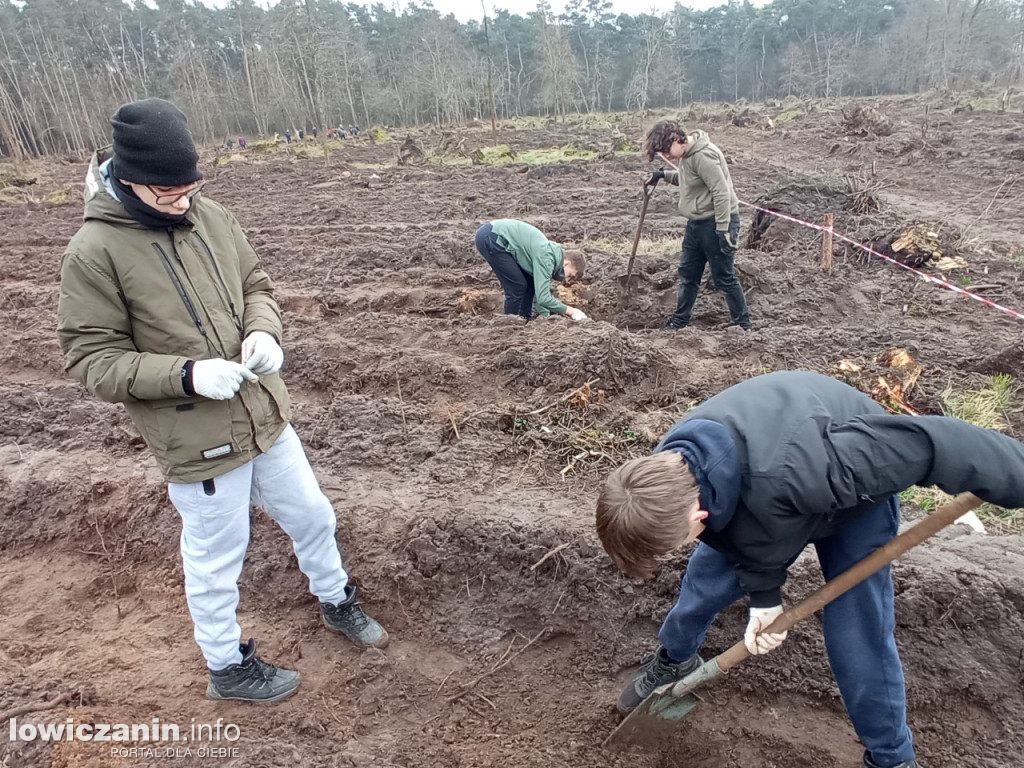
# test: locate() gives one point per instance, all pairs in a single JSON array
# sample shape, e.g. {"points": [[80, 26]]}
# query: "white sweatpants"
{"points": [[215, 534]]}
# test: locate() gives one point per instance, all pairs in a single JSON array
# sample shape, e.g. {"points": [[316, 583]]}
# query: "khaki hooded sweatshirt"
{"points": [[705, 186]]}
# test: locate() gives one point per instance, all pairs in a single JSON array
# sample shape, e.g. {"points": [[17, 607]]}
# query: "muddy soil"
{"points": [[464, 478]]}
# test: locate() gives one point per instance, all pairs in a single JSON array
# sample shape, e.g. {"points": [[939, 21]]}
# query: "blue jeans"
{"points": [[859, 628], [701, 246], [518, 285]]}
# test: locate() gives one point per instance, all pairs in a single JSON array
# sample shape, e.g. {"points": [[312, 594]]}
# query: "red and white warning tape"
{"points": [[923, 275]]}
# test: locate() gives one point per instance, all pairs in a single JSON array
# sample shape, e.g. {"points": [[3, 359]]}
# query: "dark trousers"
{"points": [[701, 246], [859, 628], [518, 285]]}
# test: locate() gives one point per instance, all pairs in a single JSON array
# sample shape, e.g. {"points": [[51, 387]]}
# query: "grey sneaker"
{"points": [[655, 671], [869, 763], [252, 680], [349, 619]]}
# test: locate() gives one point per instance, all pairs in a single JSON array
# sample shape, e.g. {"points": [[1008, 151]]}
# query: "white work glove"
{"points": [[261, 353], [578, 315], [219, 379], [758, 642]]}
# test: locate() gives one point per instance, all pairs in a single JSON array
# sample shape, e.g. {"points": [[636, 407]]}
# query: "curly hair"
{"points": [[641, 511], [660, 137]]}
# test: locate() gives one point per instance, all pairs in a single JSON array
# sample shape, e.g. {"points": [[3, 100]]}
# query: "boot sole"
{"points": [[212, 696], [380, 644]]}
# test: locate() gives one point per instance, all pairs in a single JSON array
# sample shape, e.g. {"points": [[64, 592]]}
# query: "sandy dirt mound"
{"points": [[463, 451]]}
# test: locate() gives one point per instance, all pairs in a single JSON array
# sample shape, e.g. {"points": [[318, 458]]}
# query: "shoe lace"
{"points": [[358, 617], [654, 671], [352, 615], [263, 669]]}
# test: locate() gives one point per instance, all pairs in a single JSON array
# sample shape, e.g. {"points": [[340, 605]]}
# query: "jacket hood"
{"points": [[101, 201], [559, 273], [710, 453], [698, 140]]}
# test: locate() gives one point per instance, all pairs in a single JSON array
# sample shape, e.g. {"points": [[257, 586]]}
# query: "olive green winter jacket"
{"points": [[705, 186], [137, 303]]}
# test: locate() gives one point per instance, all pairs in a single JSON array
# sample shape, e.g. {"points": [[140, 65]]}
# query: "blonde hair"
{"points": [[642, 511], [577, 260]]}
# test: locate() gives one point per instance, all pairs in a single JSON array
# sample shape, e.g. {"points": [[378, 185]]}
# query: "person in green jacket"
{"points": [[165, 307], [711, 208], [526, 262]]}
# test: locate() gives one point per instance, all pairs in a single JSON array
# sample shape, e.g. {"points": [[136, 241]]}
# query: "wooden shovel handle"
{"points": [[648, 191], [854, 575]]}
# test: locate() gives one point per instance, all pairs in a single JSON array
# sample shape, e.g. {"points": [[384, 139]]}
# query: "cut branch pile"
{"points": [[918, 245], [863, 120], [890, 379], [410, 153]]}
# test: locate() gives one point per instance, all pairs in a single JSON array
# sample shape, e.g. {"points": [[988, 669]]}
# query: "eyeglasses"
{"points": [[165, 198]]}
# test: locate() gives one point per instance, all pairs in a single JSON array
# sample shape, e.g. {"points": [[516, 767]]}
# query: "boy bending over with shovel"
{"points": [[763, 469], [526, 262]]}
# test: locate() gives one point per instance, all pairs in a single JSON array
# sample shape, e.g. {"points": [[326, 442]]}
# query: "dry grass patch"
{"points": [[985, 407]]}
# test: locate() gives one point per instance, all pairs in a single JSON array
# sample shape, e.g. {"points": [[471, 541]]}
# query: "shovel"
{"points": [[629, 281], [672, 701]]}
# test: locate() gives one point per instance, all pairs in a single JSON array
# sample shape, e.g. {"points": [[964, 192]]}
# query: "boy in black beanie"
{"points": [[165, 307]]}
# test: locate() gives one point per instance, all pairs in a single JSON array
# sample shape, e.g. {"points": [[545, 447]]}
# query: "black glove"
{"points": [[657, 176], [726, 244]]}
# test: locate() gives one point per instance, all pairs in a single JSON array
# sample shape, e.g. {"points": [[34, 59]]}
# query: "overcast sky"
{"points": [[471, 9]]}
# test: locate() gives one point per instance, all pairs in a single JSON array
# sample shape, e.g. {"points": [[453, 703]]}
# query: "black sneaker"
{"points": [[869, 763], [672, 325], [252, 680], [655, 671], [349, 619]]}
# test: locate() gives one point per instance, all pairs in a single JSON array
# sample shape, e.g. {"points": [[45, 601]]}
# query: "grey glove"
{"points": [[657, 176]]}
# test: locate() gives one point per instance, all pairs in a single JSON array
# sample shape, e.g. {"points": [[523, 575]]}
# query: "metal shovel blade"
{"points": [[667, 704], [631, 281]]}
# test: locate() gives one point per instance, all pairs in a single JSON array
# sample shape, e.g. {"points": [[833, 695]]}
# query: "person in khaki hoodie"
{"points": [[165, 307], [710, 205]]}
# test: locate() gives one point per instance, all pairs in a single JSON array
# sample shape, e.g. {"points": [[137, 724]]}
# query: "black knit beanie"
{"points": [[152, 145]]}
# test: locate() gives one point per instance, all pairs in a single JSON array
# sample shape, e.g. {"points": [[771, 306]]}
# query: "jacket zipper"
{"points": [[223, 285], [182, 293]]}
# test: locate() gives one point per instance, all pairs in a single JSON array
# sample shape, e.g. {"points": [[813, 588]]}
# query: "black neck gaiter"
{"points": [[138, 210]]}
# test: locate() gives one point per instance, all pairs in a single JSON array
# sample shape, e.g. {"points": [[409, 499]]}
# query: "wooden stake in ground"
{"points": [[826, 244]]}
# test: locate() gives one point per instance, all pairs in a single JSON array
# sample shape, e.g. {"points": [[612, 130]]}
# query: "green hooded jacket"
{"points": [[537, 256], [705, 186], [137, 303]]}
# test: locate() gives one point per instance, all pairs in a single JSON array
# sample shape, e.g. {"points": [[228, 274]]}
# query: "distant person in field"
{"points": [[231, 144], [241, 142], [288, 135], [709, 203], [165, 307], [314, 131], [758, 472], [525, 262]]}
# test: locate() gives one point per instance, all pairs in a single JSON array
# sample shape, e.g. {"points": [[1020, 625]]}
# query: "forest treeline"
{"points": [[65, 65]]}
